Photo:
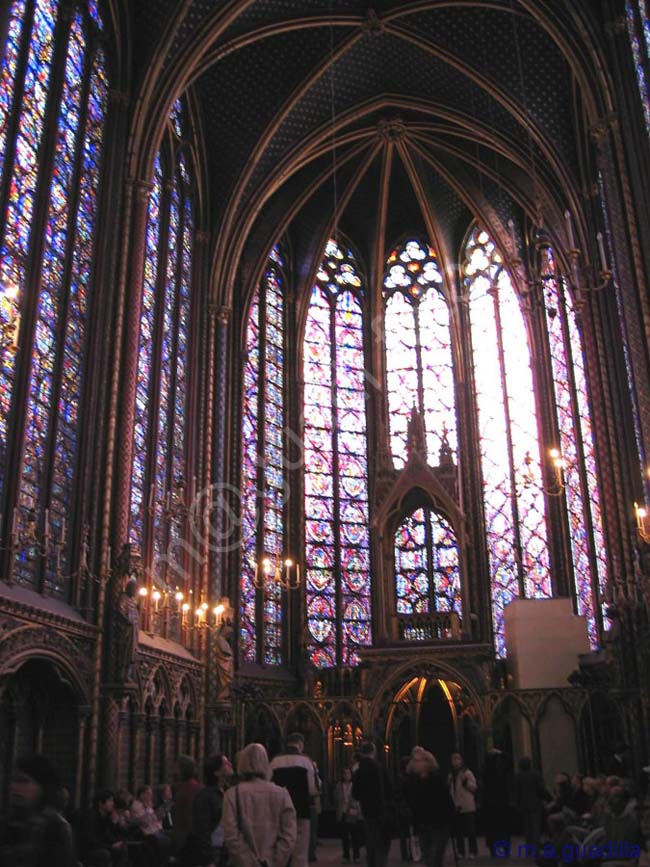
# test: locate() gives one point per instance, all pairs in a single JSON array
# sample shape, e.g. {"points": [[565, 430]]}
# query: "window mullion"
{"points": [[580, 452], [33, 271], [511, 464], [333, 301], [261, 471], [16, 109], [64, 300], [149, 521], [428, 541]]}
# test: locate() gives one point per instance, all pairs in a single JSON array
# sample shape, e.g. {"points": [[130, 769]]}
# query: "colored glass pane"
{"points": [[14, 244], [8, 72], [52, 301], [162, 453], [95, 14], [336, 474], [77, 311], [273, 463], [419, 367], [263, 469], [177, 118], [140, 498], [427, 575], [250, 462], [577, 445], [509, 442], [640, 52], [276, 256]]}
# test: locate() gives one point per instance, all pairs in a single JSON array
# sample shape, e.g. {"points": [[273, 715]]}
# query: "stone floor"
{"points": [[330, 854]]}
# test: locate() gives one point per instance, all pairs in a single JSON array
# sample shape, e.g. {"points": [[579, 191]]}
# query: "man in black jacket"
{"points": [[297, 774], [371, 786]]}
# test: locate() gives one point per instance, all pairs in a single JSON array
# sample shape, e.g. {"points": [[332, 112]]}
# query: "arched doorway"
{"points": [[434, 713], [40, 711]]}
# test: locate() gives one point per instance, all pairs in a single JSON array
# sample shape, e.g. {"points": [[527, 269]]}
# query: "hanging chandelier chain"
{"points": [[333, 121]]}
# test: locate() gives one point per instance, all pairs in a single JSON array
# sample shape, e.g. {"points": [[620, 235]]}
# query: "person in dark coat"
{"points": [[530, 795], [206, 843], [497, 796], [101, 841], [372, 788], [431, 805], [35, 834]]}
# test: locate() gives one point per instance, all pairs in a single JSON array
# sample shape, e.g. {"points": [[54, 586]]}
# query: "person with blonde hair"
{"points": [[430, 803], [259, 819]]}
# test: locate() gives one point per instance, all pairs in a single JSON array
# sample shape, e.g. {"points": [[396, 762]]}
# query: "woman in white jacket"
{"points": [[462, 788], [259, 820]]}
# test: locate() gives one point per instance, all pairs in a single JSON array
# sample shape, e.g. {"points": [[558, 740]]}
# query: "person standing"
{"points": [[348, 815], [372, 788], [34, 833], [431, 805], [206, 844], [462, 788], [530, 794], [496, 799], [259, 819], [295, 771]]}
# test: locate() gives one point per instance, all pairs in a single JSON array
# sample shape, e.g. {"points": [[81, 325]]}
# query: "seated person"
{"points": [[101, 841]]}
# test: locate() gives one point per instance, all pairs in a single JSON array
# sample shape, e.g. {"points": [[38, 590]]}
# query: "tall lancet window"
{"points": [[577, 446], [427, 574], [337, 543], [513, 502], [419, 367], [263, 540], [53, 95], [162, 483], [637, 15]]}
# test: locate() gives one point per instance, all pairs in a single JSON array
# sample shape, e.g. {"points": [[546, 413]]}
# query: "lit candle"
{"points": [[156, 599], [287, 565], [569, 230], [601, 251]]}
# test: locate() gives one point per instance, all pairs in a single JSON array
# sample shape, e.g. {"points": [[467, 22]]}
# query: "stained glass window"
{"points": [[419, 367], [162, 481], [263, 549], [68, 127], [577, 447], [337, 545], [514, 502], [427, 575], [638, 28]]}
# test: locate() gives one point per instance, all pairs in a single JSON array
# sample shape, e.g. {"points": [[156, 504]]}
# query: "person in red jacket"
{"points": [[186, 789]]}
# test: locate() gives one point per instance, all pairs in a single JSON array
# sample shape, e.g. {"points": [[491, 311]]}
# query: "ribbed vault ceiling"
{"points": [[402, 116]]}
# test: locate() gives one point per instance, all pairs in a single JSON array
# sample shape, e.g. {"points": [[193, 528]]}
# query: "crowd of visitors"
{"points": [[261, 814]]}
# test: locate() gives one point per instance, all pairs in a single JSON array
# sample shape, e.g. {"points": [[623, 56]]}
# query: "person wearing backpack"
{"points": [[372, 788], [462, 788]]}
